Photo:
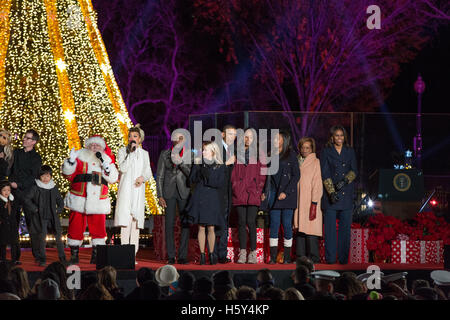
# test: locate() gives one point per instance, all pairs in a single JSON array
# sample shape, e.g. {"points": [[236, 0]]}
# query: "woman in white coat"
{"points": [[134, 166]]}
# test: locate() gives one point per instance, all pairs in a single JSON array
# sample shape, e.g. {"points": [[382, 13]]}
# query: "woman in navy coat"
{"points": [[205, 206], [339, 170], [281, 194]]}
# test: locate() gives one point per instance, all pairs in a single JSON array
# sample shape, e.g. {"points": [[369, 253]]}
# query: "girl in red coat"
{"points": [[247, 185]]}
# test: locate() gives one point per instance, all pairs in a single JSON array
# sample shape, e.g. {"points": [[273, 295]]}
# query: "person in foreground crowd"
{"points": [[172, 178], [247, 184], [205, 206], [280, 195], [134, 166], [89, 171], [308, 215], [339, 170], [46, 202]]}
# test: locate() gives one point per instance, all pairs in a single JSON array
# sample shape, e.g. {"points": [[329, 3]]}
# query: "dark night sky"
{"points": [[433, 63]]}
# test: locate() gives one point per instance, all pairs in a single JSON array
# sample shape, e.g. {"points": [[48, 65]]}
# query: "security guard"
{"points": [[339, 170]]}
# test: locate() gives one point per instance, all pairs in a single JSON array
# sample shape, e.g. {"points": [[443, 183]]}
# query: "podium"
{"points": [[400, 191]]}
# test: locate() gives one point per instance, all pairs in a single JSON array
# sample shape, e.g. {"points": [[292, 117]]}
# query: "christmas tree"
{"points": [[56, 78]]}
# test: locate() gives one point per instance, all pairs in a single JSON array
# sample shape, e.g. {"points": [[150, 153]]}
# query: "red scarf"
{"points": [[181, 154]]}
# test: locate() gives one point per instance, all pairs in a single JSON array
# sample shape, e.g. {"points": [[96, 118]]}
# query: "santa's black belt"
{"points": [[87, 177]]}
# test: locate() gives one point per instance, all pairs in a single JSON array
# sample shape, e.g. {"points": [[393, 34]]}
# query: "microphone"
{"points": [[98, 154], [131, 147]]}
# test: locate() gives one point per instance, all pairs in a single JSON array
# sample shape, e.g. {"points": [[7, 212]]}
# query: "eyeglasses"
{"points": [[27, 138]]}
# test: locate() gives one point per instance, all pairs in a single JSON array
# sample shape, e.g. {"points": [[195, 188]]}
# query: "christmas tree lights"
{"points": [[56, 78]]}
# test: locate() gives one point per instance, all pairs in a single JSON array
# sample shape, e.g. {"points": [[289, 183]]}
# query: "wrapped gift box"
{"points": [[430, 252], [434, 252], [358, 245], [405, 251], [233, 245]]}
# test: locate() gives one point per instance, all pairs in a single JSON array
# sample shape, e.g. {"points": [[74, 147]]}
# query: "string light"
{"points": [[55, 77]]}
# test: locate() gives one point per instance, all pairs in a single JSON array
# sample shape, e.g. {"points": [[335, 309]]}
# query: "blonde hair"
{"points": [[215, 150], [107, 277], [8, 150]]}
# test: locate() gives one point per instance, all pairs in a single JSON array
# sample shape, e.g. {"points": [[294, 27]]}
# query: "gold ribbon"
{"points": [[5, 6], [65, 90]]}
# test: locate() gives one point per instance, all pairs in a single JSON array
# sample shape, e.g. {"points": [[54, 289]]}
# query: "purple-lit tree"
{"points": [[317, 56], [153, 59]]}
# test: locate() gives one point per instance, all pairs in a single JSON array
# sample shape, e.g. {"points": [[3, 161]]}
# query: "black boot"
{"points": [[94, 255], [287, 255], [212, 258], [273, 255], [202, 258], [74, 255]]}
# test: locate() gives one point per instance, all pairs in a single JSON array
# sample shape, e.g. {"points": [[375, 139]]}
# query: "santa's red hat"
{"points": [[98, 139]]}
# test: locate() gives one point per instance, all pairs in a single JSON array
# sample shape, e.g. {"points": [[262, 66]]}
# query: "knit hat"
{"points": [[48, 289], [98, 139], [166, 275]]}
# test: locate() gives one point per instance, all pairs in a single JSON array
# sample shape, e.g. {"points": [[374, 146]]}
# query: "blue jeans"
{"points": [[343, 235], [285, 215]]}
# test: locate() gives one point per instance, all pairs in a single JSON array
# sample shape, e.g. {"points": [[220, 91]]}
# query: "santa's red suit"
{"points": [[88, 199]]}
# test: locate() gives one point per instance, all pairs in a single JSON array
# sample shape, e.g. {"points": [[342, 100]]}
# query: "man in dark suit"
{"points": [[228, 155], [172, 175], [25, 169]]}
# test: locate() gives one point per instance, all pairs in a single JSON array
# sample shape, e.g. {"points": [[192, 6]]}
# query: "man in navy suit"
{"points": [[228, 155]]}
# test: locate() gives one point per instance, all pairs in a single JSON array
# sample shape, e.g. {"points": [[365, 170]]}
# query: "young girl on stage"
{"points": [[9, 228], [134, 165], [205, 207]]}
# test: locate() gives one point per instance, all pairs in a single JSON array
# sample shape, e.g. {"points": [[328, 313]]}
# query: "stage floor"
{"points": [[146, 258]]}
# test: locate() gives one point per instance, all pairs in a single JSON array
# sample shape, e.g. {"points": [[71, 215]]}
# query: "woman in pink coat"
{"points": [[308, 216]]}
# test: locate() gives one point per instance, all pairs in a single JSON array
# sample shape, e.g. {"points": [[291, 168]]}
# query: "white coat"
{"points": [[131, 199]]}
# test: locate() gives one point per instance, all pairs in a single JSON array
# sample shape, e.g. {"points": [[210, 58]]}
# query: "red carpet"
{"points": [[146, 258]]}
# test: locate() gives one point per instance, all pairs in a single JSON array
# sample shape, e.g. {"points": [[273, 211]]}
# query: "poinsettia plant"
{"points": [[382, 230], [428, 227]]}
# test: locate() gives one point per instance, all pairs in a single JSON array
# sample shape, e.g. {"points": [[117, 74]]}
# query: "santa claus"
{"points": [[89, 170]]}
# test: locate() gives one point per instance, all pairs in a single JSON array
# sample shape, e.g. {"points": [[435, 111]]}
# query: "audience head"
{"points": [[150, 290], [419, 283], [264, 277], [274, 294], [348, 285], [166, 275], [203, 286], [48, 289], [307, 262], [144, 274], [425, 293], [107, 277], [96, 291], [324, 280], [19, 278], [186, 281], [293, 294], [246, 293], [301, 275], [223, 285]]}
